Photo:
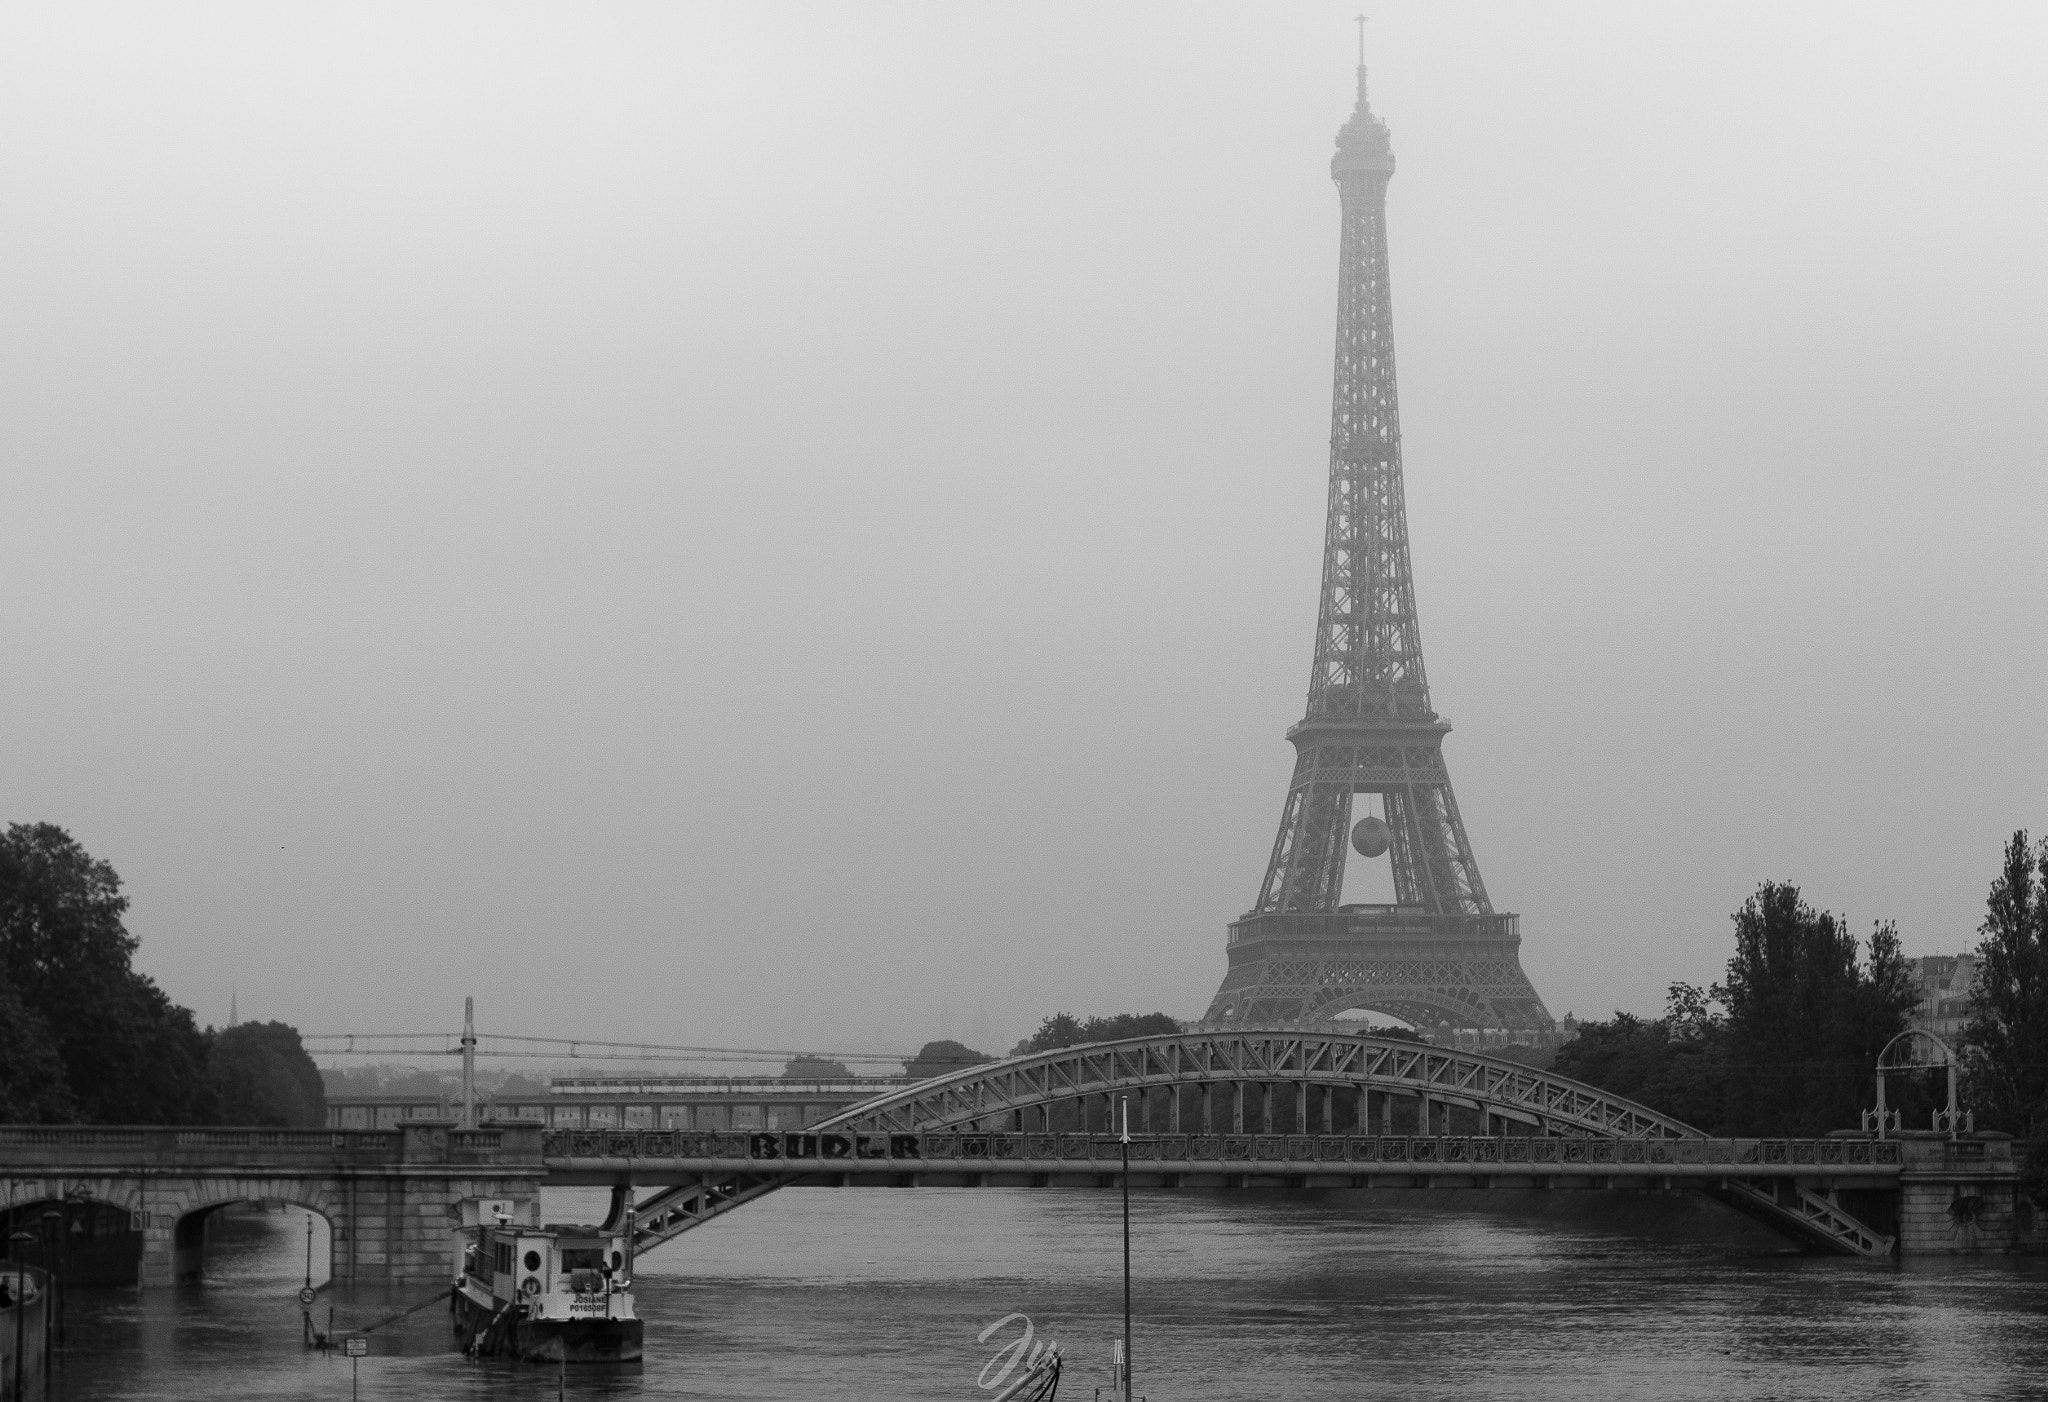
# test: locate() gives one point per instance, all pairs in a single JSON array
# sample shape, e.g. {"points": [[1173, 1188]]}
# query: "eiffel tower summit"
{"points": [[1439, 957]]}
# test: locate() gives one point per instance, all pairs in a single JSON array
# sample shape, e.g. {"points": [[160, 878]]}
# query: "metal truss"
{"points": [[1370, 726], [1507, 1089], [671, 1211], [1460, 993], [1803, 1215], [973, 1119]]}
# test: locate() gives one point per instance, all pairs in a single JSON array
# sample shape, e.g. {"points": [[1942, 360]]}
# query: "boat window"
{"points": [[582, 1258]]}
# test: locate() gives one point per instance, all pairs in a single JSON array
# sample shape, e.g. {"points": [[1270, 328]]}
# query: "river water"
{"points": [[822, 1293]]}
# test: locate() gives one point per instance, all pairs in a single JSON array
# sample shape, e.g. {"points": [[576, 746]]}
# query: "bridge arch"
{"points": [[1502, 1090], [200, 1199], [999, 1095]]}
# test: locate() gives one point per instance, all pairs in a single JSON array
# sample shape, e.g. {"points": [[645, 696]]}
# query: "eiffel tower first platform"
{"points": [[1440, 957]]}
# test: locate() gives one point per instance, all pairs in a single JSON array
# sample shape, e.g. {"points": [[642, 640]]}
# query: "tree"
{"points": [[32, 1085], [815, 1068], [1676, 1064], [2006, 1042], [1796, 1049], [1066, 1030], [260, 1075], [942, 1059], [1806, 1017], [142, 1060], [129, 1054], [61, 936]]}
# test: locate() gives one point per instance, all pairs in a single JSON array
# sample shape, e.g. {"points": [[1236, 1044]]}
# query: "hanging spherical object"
{"points": [[1371, 837]]}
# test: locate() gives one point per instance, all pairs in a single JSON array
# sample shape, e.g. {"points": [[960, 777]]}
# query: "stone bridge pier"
{"points": [[389, 1196]]}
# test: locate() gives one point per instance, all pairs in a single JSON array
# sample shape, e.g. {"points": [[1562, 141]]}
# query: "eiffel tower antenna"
{"points": [[1439, 957]]}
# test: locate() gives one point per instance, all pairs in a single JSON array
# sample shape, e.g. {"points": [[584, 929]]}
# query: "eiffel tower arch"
{"points": [[1439, 956]]}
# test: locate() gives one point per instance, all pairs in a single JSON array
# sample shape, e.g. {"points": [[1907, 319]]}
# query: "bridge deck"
{"points": [[1041, 1160]]}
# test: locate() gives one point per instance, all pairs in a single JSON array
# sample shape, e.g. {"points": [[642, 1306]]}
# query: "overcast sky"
{"points": [[782, 525]]}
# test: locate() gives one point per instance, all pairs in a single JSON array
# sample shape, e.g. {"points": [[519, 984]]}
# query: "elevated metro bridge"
{"points": [[1253, 1109]]}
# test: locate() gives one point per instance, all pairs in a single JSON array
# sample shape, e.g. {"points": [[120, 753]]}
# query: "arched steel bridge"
{"points": [[1204, 1110]]}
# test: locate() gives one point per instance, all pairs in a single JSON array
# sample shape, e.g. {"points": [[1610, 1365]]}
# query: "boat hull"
{"points": [[508, 1333]]}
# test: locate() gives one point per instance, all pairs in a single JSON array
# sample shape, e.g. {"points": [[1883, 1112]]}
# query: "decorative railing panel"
{"points": [[1294, 1151]]}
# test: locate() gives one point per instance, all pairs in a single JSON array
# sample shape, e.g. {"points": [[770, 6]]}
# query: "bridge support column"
{"points": [[1237, 1107]]}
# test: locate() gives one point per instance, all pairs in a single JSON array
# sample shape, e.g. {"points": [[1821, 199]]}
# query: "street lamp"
{"points": [[53, 1224], [20, 1304]]}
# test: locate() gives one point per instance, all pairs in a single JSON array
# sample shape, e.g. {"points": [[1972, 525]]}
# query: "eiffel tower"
{"points": [[1440, 957]]}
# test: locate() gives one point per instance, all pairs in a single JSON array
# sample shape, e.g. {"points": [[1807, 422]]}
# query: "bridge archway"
{"points": [[87, 1240], [199, 1208]]}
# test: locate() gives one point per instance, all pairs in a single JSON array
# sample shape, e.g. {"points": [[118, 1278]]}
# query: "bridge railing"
{"points": [[1562, 1151], [24, 1146]]}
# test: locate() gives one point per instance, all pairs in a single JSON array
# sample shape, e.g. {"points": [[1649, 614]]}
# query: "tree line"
{"points": [[85, 1037], [1788, 1043]]}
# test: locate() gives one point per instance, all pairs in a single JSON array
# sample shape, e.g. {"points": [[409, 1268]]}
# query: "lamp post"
{"points": [[53, 1225], [20, 1304], [1124, 1104]]}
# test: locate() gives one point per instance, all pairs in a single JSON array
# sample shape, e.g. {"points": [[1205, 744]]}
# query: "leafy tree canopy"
{"points": [[1066, 1030], [1787, 1046], [129, 1054], [2007, 1038], [2005, 1046], [943, 1058], [261, 1075], [815, 1068], [32, 1085]]}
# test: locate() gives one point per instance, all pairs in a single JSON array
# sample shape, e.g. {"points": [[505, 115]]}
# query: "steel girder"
{"points": [[1460, 992], [1263, 1056], [1279, 1056]]}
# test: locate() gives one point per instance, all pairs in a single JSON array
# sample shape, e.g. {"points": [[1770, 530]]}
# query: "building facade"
{"points": [[679, 1102], [1944, 983]]}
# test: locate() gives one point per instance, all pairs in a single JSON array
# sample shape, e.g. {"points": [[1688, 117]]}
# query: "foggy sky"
{"points": [[780, 525]]}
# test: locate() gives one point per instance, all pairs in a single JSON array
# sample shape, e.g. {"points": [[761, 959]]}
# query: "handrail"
{"points": [[805, 1149]]}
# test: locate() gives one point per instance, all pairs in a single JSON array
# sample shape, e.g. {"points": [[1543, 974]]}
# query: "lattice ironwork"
{"points": [[1506, 1089], [971, 1118], [1370, 726]]}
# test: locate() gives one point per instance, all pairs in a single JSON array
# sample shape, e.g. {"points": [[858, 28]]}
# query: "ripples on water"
{"points": [[820, 1293]]}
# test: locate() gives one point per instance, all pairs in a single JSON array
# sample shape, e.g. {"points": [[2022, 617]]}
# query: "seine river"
{"points": [[831, 1294]]}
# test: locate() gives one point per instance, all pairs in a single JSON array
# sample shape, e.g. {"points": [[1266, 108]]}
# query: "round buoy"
{"points": [[1371, 837]]}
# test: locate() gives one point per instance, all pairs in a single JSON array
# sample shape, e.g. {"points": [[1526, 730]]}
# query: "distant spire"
{"points": [[1363, 105], [233, 1016], [1363, 143]]}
